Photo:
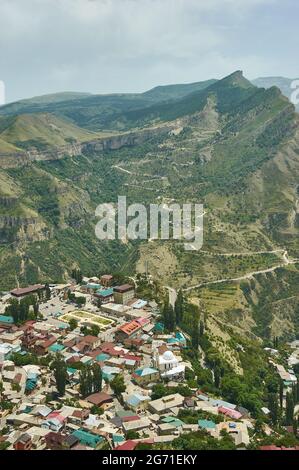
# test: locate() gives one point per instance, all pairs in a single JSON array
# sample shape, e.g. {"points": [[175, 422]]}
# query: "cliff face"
{"points": [[12, 160], [15, 230]]}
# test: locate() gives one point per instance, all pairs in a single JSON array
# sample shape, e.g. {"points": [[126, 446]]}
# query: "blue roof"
{"points": [[145, 371], [30, 384], [173, 420], [87, 438], [56, 347], [180, 336], [206, 424], [105, 292], [94, 286], [71, 371], [216, 402], [159, 326], [136, 398], [102, 357], [6, 319], [139, 303], [118, 438]]}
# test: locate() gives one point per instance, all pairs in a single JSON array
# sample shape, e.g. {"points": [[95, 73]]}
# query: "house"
{"points": [[42, 347], [87, 438], [136, 424], [128, 445], [206, 424], [229, 412], [123, 294], [101, 399], [6, 321], [128, 330], [137, 402], [59, 441], [92, 341], [104, 295], [106, 280], [165, 404], [145, 376], [24, 442], [23, 291], [55, 421], [6, 350]]}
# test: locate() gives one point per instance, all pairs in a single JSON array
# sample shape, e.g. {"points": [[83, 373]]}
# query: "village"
{"points": [[88, 365]]}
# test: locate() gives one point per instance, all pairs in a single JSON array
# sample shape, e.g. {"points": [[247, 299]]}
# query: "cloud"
{"points": [[130, 45]]}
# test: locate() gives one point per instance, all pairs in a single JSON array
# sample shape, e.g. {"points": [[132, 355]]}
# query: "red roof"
{"points": [[229, 412], [270, 447], [131, 357], [128, 445], [123, 288], [99, 398], [130, 328], [125, 419], [27, 290]]}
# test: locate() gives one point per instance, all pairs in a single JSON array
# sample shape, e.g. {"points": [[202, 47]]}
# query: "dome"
{"points": [[168, 356]]}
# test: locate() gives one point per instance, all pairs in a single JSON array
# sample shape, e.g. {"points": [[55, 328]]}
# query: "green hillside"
{"points": [[233, 147], [40, 131]]}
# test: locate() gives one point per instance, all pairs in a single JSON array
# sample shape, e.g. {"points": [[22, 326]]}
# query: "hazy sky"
{"points": [[104, 46]]}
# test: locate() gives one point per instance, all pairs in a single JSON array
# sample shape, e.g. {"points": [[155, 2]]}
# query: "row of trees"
{"points": [[90, 380], [174, 317], [77, 275], [275, 405], [23, 310], [90, 377]]}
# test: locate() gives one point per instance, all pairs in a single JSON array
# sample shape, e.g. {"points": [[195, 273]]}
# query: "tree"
{"points": [[80, 301], [118, 385], [281, 394], [201, 328], [131, 434], [217, 376], [90, 380], [77, 275], [171, 318], [97, 378], [273, 407], [179, 307], [47, 292], [195, 335], [60, 374], [289, 409], [73, 323], [83, 387]]}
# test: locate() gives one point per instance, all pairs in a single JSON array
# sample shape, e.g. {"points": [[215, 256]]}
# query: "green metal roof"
{"points": [[87, 438], [6, 319]]}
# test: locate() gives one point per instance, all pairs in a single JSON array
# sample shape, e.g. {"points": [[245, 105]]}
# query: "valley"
{"points": [[226, 144]]}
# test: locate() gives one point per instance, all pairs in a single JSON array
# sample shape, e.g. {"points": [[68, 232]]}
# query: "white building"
{"points": [[169, 366]]}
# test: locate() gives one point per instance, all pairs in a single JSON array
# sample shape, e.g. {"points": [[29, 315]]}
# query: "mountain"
{"points": [[284, 84], [100, 112], [230, 145], [39, 131], [22, 106]]}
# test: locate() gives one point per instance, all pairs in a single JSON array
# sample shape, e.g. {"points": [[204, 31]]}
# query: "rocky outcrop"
{"points": [[12, 160], [15, 229]]}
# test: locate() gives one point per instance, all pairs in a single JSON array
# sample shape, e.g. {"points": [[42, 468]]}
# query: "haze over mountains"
{"points": [[226, 143]]}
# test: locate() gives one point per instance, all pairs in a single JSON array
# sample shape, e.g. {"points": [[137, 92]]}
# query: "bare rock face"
{"points": [[13, 160], [14, 229]]}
